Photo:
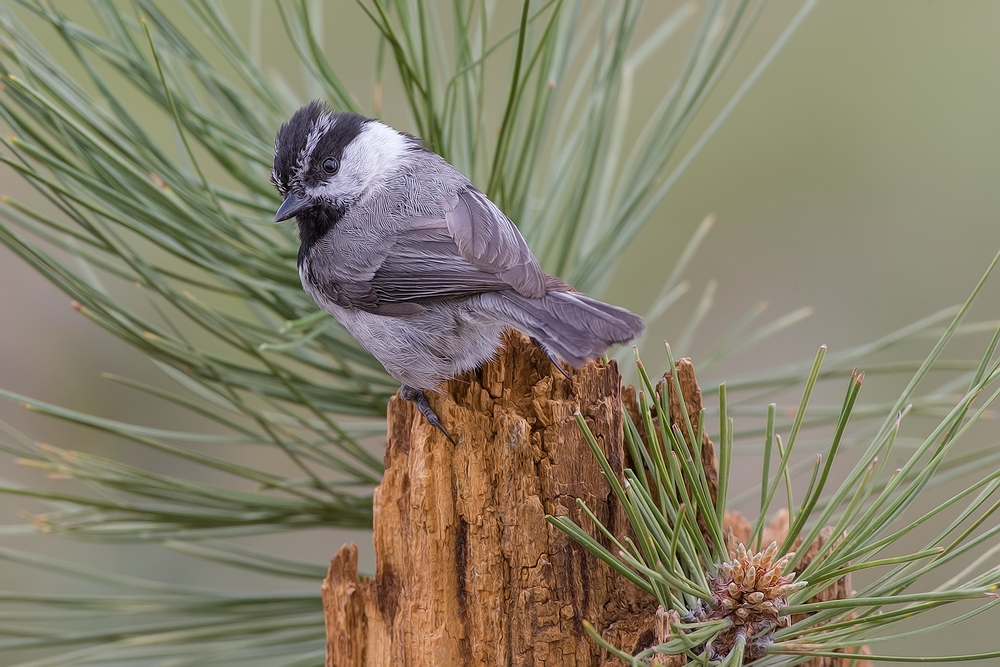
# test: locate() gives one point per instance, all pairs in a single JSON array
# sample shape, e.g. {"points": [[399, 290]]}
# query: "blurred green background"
{"points": [[858, 177]]}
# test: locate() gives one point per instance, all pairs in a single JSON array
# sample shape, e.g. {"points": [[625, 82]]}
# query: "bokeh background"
{"points": [[858, 177]]}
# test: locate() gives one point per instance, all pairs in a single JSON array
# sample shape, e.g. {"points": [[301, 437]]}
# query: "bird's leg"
{"points": [[552, 357], [420, 400]]}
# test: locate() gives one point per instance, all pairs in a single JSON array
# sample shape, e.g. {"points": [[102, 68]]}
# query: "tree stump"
{"points": [[468, 572]]}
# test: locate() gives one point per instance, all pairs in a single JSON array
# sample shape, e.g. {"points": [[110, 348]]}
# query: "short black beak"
{"points": [[292, 206]]}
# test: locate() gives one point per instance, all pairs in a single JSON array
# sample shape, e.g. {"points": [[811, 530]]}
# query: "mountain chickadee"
{"points": [[421, 268]]}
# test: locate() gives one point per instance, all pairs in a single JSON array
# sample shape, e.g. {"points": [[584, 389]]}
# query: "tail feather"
{"points": [[575, 327]]}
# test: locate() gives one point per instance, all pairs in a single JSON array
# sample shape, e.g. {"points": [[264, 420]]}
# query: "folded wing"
{"points": [[473, 248], [489, 241]]}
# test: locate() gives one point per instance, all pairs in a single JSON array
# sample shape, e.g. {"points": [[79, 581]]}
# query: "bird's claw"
{"points": [[552, 357], [417, 397]]}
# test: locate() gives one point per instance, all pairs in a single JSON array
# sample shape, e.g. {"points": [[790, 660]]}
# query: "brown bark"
{"points": [[692, 404], [468, 572]]}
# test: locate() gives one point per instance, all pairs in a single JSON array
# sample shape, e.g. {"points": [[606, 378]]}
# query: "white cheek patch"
{"points": [[332, 190], [366, 161], [375, 152]]}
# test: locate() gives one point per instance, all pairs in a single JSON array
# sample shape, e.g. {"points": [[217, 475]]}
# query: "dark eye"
{"points": [[331, 165]]}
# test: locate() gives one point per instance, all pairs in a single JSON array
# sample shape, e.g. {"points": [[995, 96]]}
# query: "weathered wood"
{"points": [[468, 572], [691, 393]]}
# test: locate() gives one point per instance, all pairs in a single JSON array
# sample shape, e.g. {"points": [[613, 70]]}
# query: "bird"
{"points": [[415, 262]]}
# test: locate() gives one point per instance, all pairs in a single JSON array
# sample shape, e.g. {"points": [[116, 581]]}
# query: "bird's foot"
{"points": [[552, 357], [417, 397]]}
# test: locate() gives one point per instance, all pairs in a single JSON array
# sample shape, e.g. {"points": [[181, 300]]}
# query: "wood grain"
{"points": [[468, 572]]}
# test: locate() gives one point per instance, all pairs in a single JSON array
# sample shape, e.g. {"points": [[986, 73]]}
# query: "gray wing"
{"points": [[473, 248], [489, 241]]}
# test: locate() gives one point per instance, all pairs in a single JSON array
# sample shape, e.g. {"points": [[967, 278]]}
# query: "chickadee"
{"points": [[421, 268]]}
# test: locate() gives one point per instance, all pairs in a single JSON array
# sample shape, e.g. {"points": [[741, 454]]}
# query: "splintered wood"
{"points": [[468, 572]]}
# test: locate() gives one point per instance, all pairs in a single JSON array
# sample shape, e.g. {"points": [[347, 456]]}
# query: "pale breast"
{"points": [[425, 349]]}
